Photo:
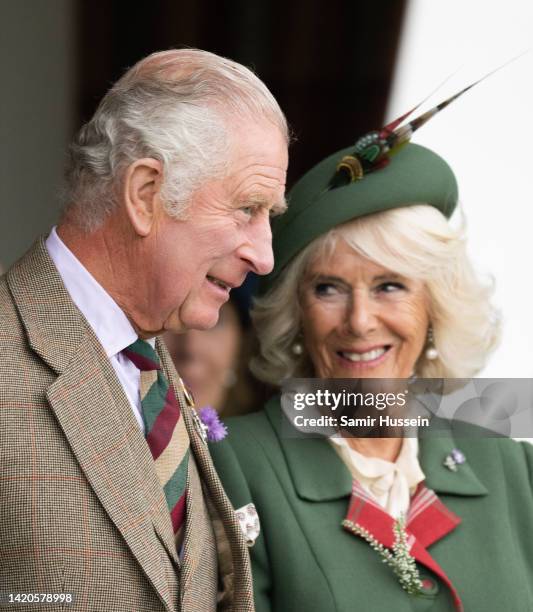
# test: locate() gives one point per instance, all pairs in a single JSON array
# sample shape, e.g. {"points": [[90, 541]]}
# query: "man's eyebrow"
{"points": [[259, 199]]}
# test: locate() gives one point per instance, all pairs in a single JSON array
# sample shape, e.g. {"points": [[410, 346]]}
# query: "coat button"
{"points": [[429, 585]]}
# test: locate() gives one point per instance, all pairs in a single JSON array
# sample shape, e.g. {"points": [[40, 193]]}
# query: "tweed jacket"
{"points": [[82, 510], [305, 560]]}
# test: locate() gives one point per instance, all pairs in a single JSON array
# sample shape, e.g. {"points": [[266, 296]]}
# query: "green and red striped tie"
{"points": [[165, 431]]}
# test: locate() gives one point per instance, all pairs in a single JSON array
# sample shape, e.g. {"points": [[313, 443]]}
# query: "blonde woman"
{"points": [[371, 281]]}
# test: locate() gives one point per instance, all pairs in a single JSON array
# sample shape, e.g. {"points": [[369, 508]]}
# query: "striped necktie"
{"points": [[165, 431]]}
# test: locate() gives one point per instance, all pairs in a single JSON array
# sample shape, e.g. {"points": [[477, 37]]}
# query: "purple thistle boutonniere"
{"points": [[216, 430]]}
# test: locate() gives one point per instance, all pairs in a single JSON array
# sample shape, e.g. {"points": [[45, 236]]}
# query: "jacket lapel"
{"points": [[427, 518], [94, 413], [366, 513], [328, 479], [435, 446], [229, 535]]}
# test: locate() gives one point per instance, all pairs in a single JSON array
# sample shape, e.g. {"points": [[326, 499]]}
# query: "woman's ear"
{"points": [[141, 187]]}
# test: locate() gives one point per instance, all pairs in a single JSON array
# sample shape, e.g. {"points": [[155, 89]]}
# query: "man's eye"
{"points": [[248, 211]]}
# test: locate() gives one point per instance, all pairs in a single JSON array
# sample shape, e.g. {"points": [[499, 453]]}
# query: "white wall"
{"points": [[37, 62], [487, 137]]}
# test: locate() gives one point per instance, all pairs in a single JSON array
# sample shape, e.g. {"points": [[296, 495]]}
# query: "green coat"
{"points": [[304, 561]]}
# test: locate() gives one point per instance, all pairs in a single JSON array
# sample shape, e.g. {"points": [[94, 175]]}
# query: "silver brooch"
{"points": [[454, 459]]}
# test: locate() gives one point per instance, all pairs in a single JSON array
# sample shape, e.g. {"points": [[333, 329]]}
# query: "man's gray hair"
{"points": [[174, 106]]}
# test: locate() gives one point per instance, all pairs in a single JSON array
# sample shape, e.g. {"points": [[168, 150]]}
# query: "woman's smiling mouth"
{"points": [[364, 359]]}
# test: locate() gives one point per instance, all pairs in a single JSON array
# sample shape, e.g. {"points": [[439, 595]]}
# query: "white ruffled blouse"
{"points": [[390, 484]]}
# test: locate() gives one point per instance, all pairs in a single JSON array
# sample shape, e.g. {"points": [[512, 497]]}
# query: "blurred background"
{"points": [[337, 68]]}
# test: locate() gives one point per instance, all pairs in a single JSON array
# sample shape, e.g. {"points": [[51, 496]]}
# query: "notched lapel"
{"points": [[113, 455], [428, 520]]}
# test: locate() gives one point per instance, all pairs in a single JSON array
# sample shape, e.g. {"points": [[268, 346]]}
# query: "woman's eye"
{"points": [[325, 289], [390, 287]]}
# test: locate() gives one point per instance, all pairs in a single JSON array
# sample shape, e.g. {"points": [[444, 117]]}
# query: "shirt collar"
{"points": [[103, 314]]}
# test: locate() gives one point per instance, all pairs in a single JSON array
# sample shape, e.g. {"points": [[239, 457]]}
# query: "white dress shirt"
{"points": [[103, 314], [390, 484]]}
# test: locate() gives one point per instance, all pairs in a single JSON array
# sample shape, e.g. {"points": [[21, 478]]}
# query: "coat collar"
{"points": [[48, 315], [435, 445], [316, 470], [329, 479]]}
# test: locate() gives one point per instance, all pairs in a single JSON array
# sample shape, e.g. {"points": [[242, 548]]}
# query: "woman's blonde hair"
{"points": [[417, 242]]}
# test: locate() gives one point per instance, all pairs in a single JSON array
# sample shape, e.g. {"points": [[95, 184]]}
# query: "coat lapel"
{"points": [[435, 446], [428, 520], [94, 414], [228, 535], [328, 479]]}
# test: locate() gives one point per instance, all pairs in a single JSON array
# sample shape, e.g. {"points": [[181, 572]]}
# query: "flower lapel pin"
{"points": [[213, 426], [208, 424], [454, 459]]}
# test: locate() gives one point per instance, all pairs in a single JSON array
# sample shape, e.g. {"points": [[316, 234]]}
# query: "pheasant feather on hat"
{"points": [[374, 150]]}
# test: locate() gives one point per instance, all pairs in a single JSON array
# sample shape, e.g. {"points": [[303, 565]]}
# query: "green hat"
{"points": [[415, 175], [381, 171]]}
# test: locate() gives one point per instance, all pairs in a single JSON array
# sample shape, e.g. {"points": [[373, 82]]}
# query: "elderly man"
{"points": [[109, 500]]}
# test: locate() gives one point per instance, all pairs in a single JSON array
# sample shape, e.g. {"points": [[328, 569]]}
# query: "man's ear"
{"points": [[141, 187]]}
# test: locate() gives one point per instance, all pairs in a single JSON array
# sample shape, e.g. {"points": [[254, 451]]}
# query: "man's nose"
{"points": [[257, 250], [361, 316]]}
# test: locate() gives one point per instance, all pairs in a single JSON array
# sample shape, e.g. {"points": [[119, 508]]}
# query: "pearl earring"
{"points": [[431, 352], [297, 348]]}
